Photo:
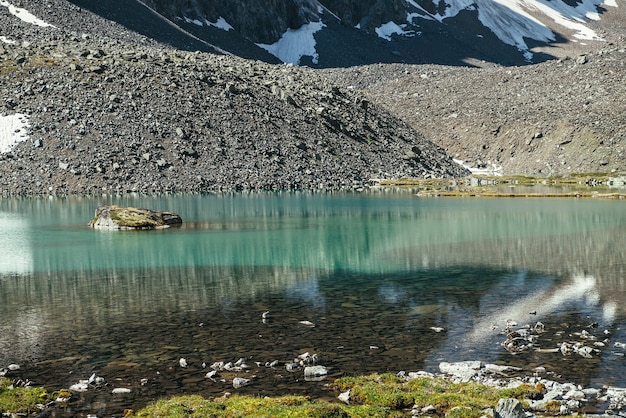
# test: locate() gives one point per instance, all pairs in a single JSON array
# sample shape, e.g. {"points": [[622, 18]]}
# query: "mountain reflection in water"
{"points": [[373, 272]]}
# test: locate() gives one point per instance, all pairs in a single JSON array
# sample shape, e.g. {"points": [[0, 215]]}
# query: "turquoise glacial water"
{"points": [[372, 271]]}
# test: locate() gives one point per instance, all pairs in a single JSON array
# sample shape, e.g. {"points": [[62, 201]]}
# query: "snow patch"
{"points": [[221, 23], [193, 21], [6, 40], [13, 129], [296, 43], [392, 28], [493, 170], [423, 13], [512, 22], [25, 15]]}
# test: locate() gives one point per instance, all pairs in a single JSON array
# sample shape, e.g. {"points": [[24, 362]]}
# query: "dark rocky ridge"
{"points": [[114, 116]]}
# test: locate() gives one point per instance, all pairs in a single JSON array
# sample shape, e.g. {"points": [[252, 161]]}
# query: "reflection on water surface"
{"points": [[374, 273]]}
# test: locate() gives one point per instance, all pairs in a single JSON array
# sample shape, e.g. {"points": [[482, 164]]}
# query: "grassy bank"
{"points": [[384, 395]]}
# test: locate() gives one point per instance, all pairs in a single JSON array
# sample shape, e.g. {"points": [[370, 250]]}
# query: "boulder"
{"points": [[463, 370], [315, 371], [119, 217], [509, 408]]}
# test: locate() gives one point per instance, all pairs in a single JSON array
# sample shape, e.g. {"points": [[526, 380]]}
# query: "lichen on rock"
{"points": [[119, 217]]}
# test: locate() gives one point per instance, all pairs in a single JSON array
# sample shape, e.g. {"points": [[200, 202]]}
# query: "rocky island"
{"points": [[118, 217]]}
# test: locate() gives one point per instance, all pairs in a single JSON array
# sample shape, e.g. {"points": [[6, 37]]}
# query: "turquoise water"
{"points": [[373, 272]]}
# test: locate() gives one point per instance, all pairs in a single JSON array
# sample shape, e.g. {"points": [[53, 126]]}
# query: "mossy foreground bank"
{"points": [[384, 395]]}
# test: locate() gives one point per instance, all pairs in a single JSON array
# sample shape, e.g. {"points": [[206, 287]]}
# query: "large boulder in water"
{"points": [[119, 217]]}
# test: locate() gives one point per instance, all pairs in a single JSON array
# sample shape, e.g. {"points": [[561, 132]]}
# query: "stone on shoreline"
{"points": [[118, 217], [463, 370], [509, 408]]}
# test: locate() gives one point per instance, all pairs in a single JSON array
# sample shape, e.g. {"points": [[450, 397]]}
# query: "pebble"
{"points": [[239, 382], [118, 391]]}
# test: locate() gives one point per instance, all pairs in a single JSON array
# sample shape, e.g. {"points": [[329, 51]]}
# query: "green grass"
{"points": [[194, 406], [377, 395], [451, 399], [20, 400]]}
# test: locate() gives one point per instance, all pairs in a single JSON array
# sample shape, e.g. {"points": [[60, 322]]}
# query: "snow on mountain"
{"points": [[296, 43], [391, 28], [24, 15], [13, 129], [514, 21], [221, 23]]}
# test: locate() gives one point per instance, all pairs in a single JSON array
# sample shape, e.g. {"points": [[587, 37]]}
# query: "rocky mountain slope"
{"points": [[124, 114], [553, 118], [117, 100]]}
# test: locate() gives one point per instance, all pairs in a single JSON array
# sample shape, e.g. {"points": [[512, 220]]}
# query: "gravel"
{"points": [[119, 113], [552, 118]]}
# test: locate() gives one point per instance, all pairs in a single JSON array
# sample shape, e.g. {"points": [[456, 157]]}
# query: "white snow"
{"points": [[423, 13], [221, 23], [6, 40], [392, 28], [25, 15], [493, 170], [13, 129], [514, 21], [194, 21], [295, 44]]}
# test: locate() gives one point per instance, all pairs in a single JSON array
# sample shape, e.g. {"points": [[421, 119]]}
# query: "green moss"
{"points": [[524, 391], [553, 407], [377, 395], [458, 400], [247, 406], [182, 406], [134, 218], [461, 412], [20, 400]]}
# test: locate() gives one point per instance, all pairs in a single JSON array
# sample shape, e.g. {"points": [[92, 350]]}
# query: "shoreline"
{"points": [[580, 185], [536, 392]]}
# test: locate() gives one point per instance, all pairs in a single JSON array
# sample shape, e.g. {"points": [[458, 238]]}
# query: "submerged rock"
{"points": [[315, 371], [239, 382], [118, 217]]}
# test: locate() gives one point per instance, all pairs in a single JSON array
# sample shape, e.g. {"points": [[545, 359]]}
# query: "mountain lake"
{"points": [[362, 280]]}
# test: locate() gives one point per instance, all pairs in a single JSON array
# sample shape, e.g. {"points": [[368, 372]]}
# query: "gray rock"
{"points": [[117, 217], [315, 371], [463, 370], [292, 367], [181, 133], [509, 408], [239, 382]]}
